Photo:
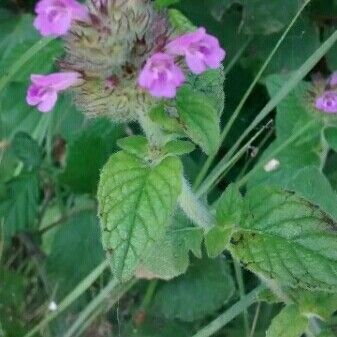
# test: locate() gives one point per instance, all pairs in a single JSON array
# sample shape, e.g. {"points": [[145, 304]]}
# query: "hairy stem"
{"points": [[188, 201], [194, 209]]}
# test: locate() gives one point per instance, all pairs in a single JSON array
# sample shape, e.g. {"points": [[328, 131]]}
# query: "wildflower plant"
{"points": [[158, 80]]}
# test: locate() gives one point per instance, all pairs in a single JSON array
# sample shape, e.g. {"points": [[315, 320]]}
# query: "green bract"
{"points": [[136, 201]]}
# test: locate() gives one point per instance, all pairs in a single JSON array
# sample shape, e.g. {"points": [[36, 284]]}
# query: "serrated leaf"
{"points": [[205, 288], [19, 209], [200, 119], [288, 323], [137, 145], [87, 153], [135, 205], [170, 256], [286, 238], [228, 213], [75, 251], [27, 150]]}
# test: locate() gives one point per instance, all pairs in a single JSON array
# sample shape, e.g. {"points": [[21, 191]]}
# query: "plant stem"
{"points": [[150, 291], [194, 209], [244, 99], [239, 280], [281, 94], [256, 317], [112, 291], [72, 297], [25, 57], [188, 202], [230, 314]]}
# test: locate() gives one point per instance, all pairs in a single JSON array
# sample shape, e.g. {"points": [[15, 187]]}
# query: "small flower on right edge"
{"points": [[327, 102]]}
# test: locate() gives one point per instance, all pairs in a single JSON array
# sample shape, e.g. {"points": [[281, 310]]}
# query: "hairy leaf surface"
{"points": [[286, 238], [135, 204]]}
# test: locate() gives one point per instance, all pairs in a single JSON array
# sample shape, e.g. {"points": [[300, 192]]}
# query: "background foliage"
{"points": [[49, 171]]}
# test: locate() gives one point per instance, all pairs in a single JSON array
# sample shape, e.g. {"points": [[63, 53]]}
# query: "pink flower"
{"points": [[44, 88], [161, 76], [200, 50], [333, 79], [54, 17], [327, 102]]}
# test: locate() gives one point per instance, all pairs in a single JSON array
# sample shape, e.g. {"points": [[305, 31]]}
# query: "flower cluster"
{"points": [[161, 76], [117, 51], [327, 102]]}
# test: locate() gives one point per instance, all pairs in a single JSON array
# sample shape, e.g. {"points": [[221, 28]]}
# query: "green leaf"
{"points": [[75, 251], [217, 239], [37, 65], [137, 145], [165, 3], [288, 323], [27, 150], [19, 209], [303, 39], [330, 135], [228, 214], [205, 288], [311, 184], [286, 238], [15, 31], [230, 207], [266, 17], [135, 205], [16, 115], [211, 84], [317, 304], [180, 22], [178, 147], [170, 256], [87, 153], [166, 122], [201, 120]]}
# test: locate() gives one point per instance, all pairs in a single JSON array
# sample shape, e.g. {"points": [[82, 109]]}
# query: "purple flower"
{"points": [[54, 17], [44, 88], [161, 76], [333, 79], [327, 102], [200, 50]]}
